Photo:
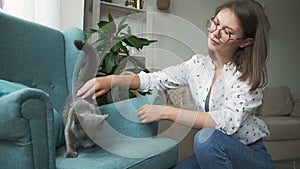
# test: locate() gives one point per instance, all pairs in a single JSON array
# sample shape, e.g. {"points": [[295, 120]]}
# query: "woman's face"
{"points": [[229, 23]]}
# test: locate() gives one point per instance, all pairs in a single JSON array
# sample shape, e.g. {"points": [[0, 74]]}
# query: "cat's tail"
{"points": [[88, 65], [79, 44]]}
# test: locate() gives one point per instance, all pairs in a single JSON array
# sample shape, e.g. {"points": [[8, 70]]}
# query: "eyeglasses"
{"points": [[223, 35]]}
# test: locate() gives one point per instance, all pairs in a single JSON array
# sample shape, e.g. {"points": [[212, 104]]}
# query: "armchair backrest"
{"points": [[38, 56]]}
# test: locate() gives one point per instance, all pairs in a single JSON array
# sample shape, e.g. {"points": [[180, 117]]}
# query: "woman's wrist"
{"points": [[112, 79], [170, 113], [130, 81]]}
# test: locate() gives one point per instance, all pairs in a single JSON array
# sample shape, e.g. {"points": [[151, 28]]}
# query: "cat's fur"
{"points": [[77, 108]]}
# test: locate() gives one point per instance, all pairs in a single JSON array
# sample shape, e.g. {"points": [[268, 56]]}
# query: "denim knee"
{"points": [[203, 136], [206, 146]]}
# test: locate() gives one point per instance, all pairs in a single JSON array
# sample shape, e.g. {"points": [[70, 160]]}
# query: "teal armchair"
{"points": [[37, 64]]}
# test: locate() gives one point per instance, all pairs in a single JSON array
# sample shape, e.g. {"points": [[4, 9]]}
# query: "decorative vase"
{"points": [[163, 4]]}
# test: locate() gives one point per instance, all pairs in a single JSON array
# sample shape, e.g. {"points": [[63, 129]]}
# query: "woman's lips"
{"points": [[213, 41]]}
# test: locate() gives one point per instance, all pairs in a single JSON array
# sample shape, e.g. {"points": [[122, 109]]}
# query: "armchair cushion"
{"points": [[7, 87], [124, 141], [123, 116]]}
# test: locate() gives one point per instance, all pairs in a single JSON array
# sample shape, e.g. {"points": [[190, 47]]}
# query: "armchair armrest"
{"points": [[26, 130]]}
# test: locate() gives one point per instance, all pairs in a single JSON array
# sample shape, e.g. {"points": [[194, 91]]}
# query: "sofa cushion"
{"points": [[282, 127], [296, 109], [277, 101], [7, 87]]}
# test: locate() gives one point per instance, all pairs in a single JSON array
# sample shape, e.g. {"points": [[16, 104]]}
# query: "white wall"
{"points": [[71, 13], [284, 56], [284, 59]]}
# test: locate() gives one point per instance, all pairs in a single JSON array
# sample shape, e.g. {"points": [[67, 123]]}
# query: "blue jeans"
{"points": [[216, 150]]}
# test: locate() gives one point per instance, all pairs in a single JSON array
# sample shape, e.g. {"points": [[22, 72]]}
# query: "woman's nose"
{"points": [[216, 33]]}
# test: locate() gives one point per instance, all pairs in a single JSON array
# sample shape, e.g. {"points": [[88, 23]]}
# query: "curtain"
{"points": [[46, 12], [1, 4]]}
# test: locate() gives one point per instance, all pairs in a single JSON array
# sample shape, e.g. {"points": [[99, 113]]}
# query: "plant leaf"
{"points": [[109, 28], [120, 28], [123, 19], [102, 23], [122, 24], [91, 31], [110, 18], [100, 42], [147, 42], [110, 59], [117, 47], [131, 94], [125, 50], [133, 41]]}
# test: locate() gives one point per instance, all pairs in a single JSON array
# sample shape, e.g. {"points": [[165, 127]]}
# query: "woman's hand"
{"points": [[149, 113], [95, 87], [190, 118], [101, 85]]}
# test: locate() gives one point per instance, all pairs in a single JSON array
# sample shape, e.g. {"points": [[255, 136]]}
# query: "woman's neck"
{"points": [[219, 60]]}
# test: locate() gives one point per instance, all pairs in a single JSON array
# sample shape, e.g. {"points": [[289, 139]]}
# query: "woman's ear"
{"points": [[247, 42]]}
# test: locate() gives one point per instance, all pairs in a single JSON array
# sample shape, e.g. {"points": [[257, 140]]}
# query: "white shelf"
{"points": [[118, 11], [120, 8]]}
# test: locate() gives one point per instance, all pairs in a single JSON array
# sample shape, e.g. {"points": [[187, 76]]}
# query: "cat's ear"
{"points": [[100, 118]]}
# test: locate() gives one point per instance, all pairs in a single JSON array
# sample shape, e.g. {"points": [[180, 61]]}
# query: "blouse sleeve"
{"points": [[168, 78], [239, 103]]}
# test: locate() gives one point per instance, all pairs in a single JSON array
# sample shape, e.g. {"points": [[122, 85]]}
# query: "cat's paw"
{"points": [[72, 154]]}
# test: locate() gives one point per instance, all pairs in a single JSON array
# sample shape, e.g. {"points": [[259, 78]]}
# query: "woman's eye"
{"points": [[216, 22], [228, 32]]}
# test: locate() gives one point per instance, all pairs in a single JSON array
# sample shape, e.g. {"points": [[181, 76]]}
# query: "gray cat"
{"points": [[77, 110]]}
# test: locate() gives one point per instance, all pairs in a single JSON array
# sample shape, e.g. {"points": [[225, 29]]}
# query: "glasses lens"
{"points": [[224, 36], [210, 25]]}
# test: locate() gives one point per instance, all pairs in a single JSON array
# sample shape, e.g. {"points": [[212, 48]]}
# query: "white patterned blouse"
{"points": [[231, 104]]}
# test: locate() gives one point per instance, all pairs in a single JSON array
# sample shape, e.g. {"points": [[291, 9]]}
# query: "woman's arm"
{"points": [[171, 77], [101, 85], [147, 113], [189, 118]]}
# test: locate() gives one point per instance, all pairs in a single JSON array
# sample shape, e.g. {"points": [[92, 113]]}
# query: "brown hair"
{"points": [[251, 60]]}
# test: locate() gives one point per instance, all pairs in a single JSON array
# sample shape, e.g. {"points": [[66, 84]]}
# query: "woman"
{"points": [[226, 86]]}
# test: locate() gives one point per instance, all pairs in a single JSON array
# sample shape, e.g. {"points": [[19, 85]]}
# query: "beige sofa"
{"points": [[280, 110]]}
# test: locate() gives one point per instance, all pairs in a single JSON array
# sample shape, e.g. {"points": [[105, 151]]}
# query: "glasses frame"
{"points": [[210, 21]]}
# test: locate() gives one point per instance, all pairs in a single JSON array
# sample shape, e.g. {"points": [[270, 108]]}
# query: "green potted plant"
{"points": [[113, 46]]}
